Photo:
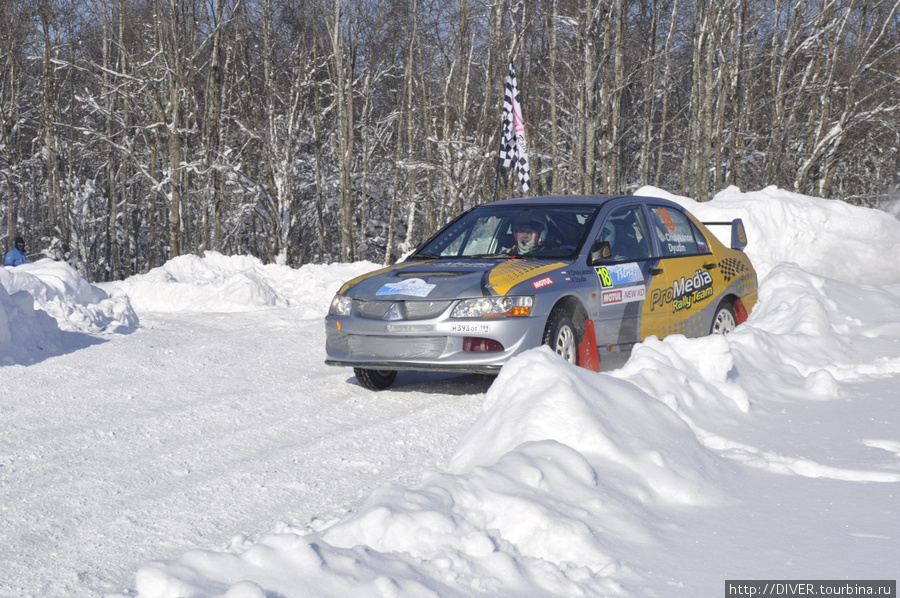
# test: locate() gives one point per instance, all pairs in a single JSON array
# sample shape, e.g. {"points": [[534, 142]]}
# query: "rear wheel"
{"points": [[560, 335], [725, 321], [375, 379]]}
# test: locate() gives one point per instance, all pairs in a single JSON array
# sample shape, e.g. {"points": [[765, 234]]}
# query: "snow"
{"points": [[177, 434]]}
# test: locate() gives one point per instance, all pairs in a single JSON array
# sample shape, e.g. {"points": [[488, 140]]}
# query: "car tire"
{"points": [[375, 379], [725, 320], [561, 336]]}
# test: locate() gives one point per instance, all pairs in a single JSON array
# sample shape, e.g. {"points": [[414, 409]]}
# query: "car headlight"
{"points": [[486, 307], [340, 306]]}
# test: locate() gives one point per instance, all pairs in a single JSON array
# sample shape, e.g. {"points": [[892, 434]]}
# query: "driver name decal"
{"points": [[414, 287]]}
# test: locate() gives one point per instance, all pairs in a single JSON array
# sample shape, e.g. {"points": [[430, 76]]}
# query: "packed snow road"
{"points": [[190, 430]]}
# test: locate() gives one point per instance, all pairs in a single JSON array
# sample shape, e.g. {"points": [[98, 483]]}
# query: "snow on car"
{"points": [[587, 276]]}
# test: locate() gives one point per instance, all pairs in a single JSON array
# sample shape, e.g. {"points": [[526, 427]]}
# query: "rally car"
{"points": [[588, 276]]}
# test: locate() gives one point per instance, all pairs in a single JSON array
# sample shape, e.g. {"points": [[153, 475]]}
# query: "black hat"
{"points": [[19, 241]]}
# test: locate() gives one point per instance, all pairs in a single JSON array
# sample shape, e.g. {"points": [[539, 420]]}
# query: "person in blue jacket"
{"points": [[17, 255]]}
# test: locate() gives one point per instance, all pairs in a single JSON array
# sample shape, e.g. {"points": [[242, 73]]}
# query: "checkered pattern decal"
{"points": [[732, 268]]}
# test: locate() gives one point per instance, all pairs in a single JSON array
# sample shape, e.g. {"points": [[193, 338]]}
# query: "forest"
{"points": [[320, 131]]}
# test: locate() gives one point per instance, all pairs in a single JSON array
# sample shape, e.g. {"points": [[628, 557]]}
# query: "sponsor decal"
{"points": [[611, 276], [414, 287], [688, 291], [475, 265], [623, 295], [659, 298], [684, 292], [546, 281], [506, 275]]}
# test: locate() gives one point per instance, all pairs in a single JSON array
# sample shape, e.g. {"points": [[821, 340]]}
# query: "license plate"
{"points": [[471, 328]]}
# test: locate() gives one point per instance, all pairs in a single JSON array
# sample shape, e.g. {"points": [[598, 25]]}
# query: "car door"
{"points": [[688, 269], [625, 280]]}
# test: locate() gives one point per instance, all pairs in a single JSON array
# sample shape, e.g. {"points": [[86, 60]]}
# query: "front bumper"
{"points": [[417, 367], [428, 345]]}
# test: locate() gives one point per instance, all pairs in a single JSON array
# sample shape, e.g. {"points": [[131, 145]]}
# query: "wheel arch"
{"points": [[574, 306], [737, 306]]}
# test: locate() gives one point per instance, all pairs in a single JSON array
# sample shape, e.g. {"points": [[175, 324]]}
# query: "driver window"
{"points": [[628, 235]]}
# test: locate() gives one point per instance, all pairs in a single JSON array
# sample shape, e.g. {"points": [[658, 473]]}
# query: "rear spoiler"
{"points": [[738, 234]]}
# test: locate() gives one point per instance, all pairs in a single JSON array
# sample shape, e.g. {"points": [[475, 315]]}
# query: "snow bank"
{"points": [[534, 400], [541, 513], [826, 237], [219, 283], [43, 302], [213, 283]]}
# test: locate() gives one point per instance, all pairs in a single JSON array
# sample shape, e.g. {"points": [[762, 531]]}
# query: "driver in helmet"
{"points": [[529, 235], [608, 233]]}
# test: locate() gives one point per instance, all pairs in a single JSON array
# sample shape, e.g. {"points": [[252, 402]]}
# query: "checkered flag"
{"points": [[513, 151]]}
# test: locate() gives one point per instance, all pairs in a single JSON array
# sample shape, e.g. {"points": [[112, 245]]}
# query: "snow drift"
{"points": [[30, 294]]}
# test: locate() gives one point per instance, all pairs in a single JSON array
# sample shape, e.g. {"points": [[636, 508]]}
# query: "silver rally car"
{"points": [[587, 276]]}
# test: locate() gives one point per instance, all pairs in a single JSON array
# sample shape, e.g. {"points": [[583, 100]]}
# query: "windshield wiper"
{"points": [[490, 256], [426, 256]]}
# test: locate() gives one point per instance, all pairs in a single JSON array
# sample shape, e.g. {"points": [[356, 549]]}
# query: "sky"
{"points": [[178, 434]]}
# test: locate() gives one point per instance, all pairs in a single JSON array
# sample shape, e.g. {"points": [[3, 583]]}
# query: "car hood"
{"points": [[448, 279]]}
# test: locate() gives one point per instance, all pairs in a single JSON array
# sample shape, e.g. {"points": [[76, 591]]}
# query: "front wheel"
{"points": [[560, 335], [724, 321], [375, 379]]}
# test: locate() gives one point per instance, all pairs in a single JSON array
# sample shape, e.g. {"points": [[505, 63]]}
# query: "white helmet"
{"points": [[530, 223], [608, 233]]}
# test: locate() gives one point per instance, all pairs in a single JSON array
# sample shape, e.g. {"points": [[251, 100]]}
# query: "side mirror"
{"points": [[600, 252]]}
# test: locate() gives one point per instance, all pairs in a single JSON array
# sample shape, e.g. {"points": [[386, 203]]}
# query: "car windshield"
{"points": [[505, 231]]}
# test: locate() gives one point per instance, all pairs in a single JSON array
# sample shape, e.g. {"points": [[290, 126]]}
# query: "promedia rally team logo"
{"points": [[688, 291], [684, 293]]}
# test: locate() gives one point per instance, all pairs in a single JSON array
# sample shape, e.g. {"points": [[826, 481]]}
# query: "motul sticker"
{"points": [[544, 282], [623, 295]]}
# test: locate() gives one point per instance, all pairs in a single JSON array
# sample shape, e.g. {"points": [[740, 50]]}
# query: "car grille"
{"points": [[372, 309], [411, 310], [390, 347]]}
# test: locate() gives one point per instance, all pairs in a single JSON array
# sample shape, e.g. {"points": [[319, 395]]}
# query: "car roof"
{"points": [[579, 200]]}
